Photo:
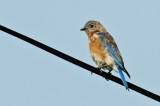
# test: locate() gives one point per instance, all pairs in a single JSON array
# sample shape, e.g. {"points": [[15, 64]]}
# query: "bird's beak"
{"points": [[83, 29]]}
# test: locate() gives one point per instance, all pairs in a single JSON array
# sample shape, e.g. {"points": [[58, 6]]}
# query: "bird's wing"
{"points": [[108, 42]]}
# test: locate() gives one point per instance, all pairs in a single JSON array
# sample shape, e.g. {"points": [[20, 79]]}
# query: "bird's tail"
{"points": [[123, 78], [124, 69]]}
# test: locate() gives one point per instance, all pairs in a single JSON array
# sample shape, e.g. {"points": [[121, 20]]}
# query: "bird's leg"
{"points": [[109, 74]]}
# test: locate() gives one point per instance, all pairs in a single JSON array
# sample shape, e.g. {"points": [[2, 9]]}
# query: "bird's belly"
{"points": [[97, 59], [103, 63]]}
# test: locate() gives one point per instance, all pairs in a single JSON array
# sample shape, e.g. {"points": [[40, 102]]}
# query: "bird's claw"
{"points": [[99, 68], [100, 71], [109, 75]]}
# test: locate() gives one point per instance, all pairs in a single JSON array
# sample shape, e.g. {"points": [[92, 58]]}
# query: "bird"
{"points": [[104, 50]]}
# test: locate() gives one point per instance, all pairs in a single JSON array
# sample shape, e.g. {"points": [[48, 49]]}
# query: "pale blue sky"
{"points": [[30, 76]]}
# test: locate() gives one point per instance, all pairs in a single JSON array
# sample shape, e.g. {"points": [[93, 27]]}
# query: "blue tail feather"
{"points": [[123, 78]]}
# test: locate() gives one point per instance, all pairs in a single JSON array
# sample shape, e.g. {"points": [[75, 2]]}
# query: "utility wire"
{"points": [[79, 63]]}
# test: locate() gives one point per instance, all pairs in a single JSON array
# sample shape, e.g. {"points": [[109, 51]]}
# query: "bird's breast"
{"points": [[96, 48]]}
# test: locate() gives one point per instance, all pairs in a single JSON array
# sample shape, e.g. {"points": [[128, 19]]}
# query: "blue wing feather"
{"points": [[113, 51], [122, 77]]}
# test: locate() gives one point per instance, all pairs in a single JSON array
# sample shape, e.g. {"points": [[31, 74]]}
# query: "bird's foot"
{"points": [[109, 75], [100, 71]]}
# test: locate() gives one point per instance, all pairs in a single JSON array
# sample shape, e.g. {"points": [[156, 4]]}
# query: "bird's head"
{"points": [[93, 26]]}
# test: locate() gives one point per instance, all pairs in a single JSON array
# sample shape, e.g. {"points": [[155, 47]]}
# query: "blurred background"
{"points": [[30, 76]]}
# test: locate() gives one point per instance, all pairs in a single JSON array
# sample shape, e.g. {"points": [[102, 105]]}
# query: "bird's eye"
{"points": [[92, 26]]}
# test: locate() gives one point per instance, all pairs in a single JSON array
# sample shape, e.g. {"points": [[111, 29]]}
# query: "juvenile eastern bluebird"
{"points": [[104, 50]]}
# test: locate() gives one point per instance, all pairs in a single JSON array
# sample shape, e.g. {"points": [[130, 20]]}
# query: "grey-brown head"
{"points": [[92, 26]]}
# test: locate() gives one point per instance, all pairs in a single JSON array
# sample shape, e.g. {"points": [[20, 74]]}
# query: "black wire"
{"points": [[79, 63]]}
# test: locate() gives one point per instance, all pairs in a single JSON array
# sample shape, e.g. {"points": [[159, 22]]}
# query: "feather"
{"points": [[123, 78], [108, 42]]}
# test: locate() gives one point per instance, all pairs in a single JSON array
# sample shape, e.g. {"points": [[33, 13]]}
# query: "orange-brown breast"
{"points": [[96, 48]]}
